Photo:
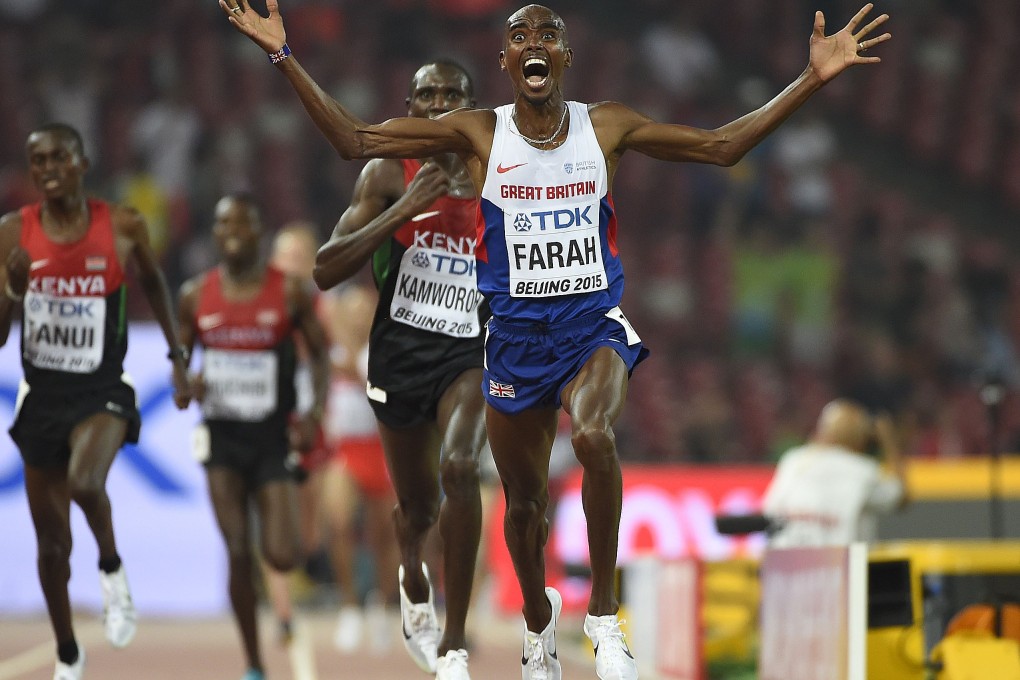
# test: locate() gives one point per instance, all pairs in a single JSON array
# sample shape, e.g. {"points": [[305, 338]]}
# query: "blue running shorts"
{"points": [[528, 365]]}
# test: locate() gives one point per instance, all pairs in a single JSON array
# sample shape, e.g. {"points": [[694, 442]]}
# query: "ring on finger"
{"points": [[861, 47], [237, 9]]}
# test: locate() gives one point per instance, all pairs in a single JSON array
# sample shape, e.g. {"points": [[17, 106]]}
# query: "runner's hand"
{"points": [[832, 54], [182, 386], [18, 264], [428, 184], [266, 32]]}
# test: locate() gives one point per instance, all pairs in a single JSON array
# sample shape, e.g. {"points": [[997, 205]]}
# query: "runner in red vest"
{"points": [[245, 314], [64, 260]]}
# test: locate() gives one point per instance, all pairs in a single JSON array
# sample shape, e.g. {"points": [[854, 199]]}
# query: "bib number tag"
{"points": [[239, 385], [64, 333], [555, 252], [437, 291]]}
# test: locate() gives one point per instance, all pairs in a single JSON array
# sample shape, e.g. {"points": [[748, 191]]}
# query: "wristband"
{"points": [[277, 57], [179, 352], [11, 295]]}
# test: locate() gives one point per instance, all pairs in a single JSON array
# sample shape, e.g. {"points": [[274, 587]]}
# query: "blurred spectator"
{"points": [[830, 491]]}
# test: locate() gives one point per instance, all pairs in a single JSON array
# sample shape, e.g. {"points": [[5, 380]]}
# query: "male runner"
{"points": [[245, 314], [64, 262], [417, 222], [549, 267]]}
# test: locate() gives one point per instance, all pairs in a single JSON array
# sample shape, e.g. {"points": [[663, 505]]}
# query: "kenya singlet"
{"points": [[248, 358], [74, 334], [547, 253], [430, 312]]}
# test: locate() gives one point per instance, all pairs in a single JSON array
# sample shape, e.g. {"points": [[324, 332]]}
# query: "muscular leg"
{"points": [[520, 448], [50, 503], [277, 581], [412, 457], [461, 419], [94, 444], [229, 496], [594, 399], [280, 523]]}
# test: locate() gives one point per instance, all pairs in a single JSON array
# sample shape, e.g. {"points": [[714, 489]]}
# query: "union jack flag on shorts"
{"points": [[498, 389]]}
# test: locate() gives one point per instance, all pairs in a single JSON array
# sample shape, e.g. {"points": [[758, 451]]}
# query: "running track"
{"points": [[208, 649]]}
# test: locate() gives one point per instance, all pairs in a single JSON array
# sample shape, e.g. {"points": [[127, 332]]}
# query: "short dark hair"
{"points": [[64, 130], [450, 64]]}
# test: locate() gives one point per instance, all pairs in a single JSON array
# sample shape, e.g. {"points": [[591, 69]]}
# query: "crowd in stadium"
{"points": [[864, 250]]}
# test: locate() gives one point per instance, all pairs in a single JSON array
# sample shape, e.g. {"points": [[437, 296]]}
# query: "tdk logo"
{"points": [[522, 223], [63, 309], [562, 219], [421, 259]]}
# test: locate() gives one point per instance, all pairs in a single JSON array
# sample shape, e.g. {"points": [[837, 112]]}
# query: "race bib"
{"points": [[437, 291], [555, 252], [239, 385], [64, 333]]}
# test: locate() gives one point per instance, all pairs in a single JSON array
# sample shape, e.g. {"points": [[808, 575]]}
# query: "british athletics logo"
{"points": [[498, 389]]}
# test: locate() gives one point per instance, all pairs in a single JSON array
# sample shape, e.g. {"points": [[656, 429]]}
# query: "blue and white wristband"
{"points": [[277, 57]]}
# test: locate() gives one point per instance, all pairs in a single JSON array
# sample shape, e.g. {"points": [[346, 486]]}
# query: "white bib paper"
{"points": [[239, 385], [554, 252], [64, 333], [437, 291]]}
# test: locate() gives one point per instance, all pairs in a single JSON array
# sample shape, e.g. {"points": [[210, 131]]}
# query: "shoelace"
{"points": [[458, 656], [612, 633], [536, 660]]}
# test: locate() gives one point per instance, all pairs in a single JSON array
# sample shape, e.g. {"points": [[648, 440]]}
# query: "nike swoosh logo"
{"points": [[424, 216], [500, 169], [38, 264], [403, 629]]}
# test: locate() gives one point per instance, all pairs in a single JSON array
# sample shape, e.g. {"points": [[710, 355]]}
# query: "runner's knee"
{"points": [[418, 514], [522, 514], [460, 476], [281, 557], [54, 552], [86, 492], [595, 447]]}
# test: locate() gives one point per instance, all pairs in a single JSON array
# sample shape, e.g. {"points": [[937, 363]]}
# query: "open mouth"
{"points": [[536, 71]]}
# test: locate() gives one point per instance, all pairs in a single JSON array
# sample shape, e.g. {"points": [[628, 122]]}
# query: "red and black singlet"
{"points": [[430, 310], [74, 334], [248, 359]]}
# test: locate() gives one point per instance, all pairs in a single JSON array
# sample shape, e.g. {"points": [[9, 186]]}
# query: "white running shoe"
{"points": [[539, 660], [613, 660], [119, 618], [74, 671], [453, 665], [349, 629], [419, 625]]}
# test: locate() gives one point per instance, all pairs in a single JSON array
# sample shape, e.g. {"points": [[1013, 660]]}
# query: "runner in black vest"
{"points": [[417, 224], [245, 314], [64, 262]]}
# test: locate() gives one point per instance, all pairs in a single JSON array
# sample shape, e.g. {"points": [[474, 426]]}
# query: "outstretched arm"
{"points": [[379, 207], [350, 136], [829, 56]]}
